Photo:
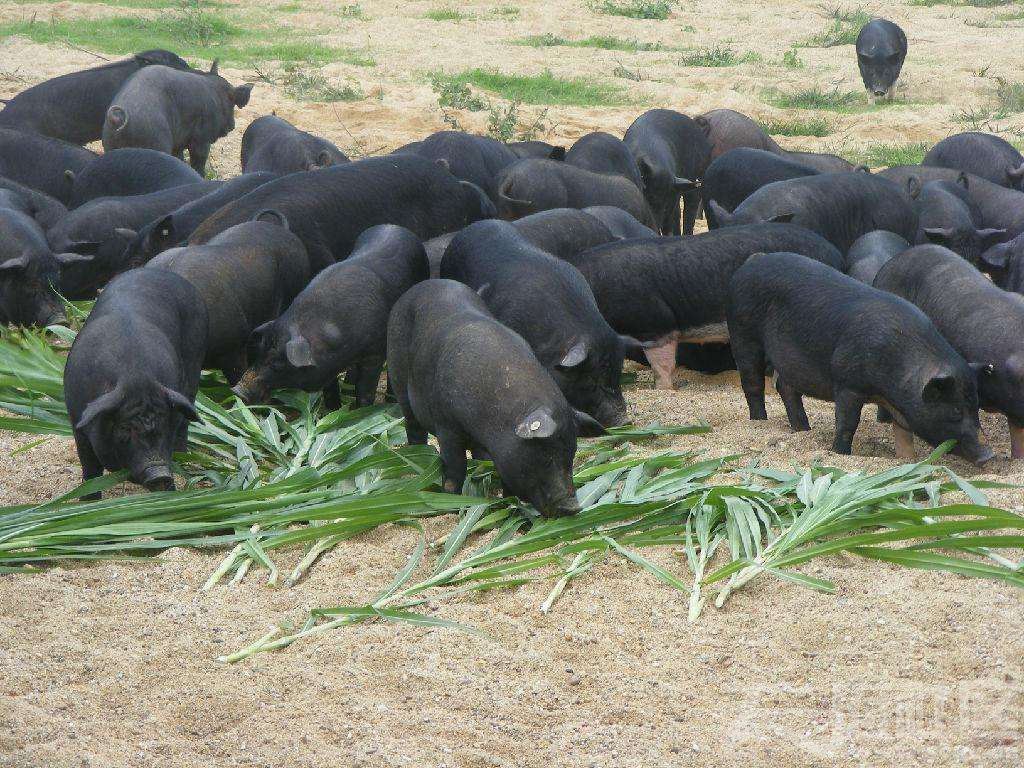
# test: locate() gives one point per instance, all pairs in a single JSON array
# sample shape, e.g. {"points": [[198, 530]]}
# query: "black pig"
{"points": [[42, 163], [273, 145], [476, 159], [946, 218], [603, 153], [46, 210], [870, 252], [129, 172], [981, 154], [881, 51], [737, 174], [727, 129]]}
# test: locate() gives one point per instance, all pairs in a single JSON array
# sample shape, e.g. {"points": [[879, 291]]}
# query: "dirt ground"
{"points": [[115, 665]]}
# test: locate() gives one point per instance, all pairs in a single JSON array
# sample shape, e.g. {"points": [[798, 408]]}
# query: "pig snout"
{"points": [[613, 415], [157, 477], [250, 389], [970, 448], [563, 508]]}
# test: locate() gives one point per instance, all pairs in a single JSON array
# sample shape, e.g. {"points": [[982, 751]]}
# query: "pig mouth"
{"points": [[157, 477], [564, 508], [249, 389]]}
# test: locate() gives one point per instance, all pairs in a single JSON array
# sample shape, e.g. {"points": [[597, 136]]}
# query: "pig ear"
{"points": [[991, 236], [914, 186], [180, 403], [483, 290], [298, 352], [680, 184], [586, 426], [863, 169], [704, 124], [126, 234], [722, 216], [781, 218], [69, 175], [997, 257], [272, 216], [325, 159], [646, 171], [575, 356], [101, 405], [938, 235], [938, 388], [538, 424], [71, 258], [240, 94], [15, 264]]}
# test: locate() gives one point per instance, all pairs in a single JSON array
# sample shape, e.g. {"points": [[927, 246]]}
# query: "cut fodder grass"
{"points": [[658, 10], [889, 155], [846, 25], [209, 38], [544, 88], [601, 42], [814, 126], [719, 56]]}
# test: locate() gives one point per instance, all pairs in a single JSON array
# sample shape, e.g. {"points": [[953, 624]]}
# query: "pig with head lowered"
{"points": [[947, 217], [46, 210], [881, 51], [337, 323], [667, 290], [170, 110], [727, 129], [476, 159], [247, 276], [72, 107], [982, 322], [547, 302], [132, 375], [131, 171], [1005, 263], [466, 378], [42, 163], [672, 153], [869, 252], [603, 153], [832, 338], [739, 173], [272, 144]]}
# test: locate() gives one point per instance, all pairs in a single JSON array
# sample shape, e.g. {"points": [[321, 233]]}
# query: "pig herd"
{"points": [[502, 286]]}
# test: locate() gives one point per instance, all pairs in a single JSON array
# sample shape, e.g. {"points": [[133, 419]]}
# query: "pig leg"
{"points": [[691, 206], [198, 154], [794, 403], [904, 442], [367, 380], [750, 362], [663, 362], [332, 396], [848, 408], [1016, 440], [884, 417], [91, 466], [415, 434], [453, 461]]}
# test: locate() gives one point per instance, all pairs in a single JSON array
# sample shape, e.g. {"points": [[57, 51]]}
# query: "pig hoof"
{"points": [[451, 487]]}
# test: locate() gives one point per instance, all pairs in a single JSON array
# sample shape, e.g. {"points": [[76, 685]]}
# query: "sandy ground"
{"points": [[114, 665]]}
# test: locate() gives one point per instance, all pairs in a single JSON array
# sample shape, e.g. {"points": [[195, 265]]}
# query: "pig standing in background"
{"points": [[672, 154], [985, 324], [171, 111], [448, 359], [132, 376], [833, 338], [881, 51]]}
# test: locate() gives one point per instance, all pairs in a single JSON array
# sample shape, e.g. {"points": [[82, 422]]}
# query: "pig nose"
{"points": [[565, 508], [54, 318], [246, 394], [983, 455], [879, 92], [158, 478]]}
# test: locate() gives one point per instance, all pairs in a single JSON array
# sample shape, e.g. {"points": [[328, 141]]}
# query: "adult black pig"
{"points": [[129, 172], [530, 186], [476, 159], [982, 154], [839, 206], [271, 144], [46, 210], [985, 324], [668, 290], [29, 272], [603, 153], [103, 229], [72, 107], [132, 376], [329, 208], [171, 111], [41, 163], [548, 303], [337, 323], [1005, 263], [176, 227], [946, 218], [461, 375], [737, 174], [247, 276], [881, 51], [833, 338], [867, 255], [727, 129], [672, 154], [621, 224]]}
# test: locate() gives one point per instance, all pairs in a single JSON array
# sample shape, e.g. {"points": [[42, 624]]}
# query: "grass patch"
{"points": [[1009, 97], [139, 4], [448, 14], [192, 34], [354, 11], [890, 155], [962, 3], [791, 60], [626, 73], [846, 25], [544, 88], [602, 42], [719, 56], [815, 126], [633, 9], [508, 11], [818, 98], [304, 84]]}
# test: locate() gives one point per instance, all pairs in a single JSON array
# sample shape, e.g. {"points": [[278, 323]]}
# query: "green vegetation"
{"points": [[633, 9], [791, 60], [509, 11], [626, 73], [354, 11], [604, 43], [141, 4], [889, 155], [193, 34], [303, 83], [846, 25], [718, 56], [816, 97], [544, 88], [448, 14], [504, 121], [963, 3], [1009, 97], [814, 126]]}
